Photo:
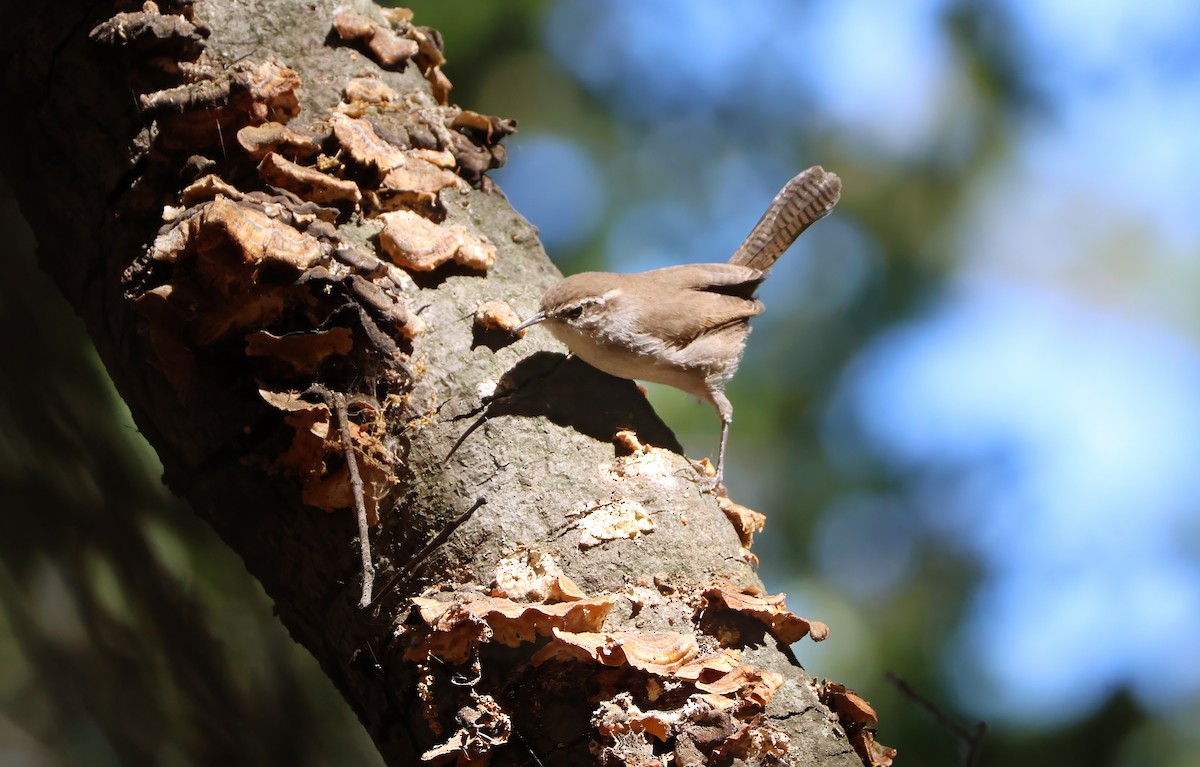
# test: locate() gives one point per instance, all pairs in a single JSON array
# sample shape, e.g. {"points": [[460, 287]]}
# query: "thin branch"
{"points": [[429, 548], [337, 403], [470, 430], [972, 739]]}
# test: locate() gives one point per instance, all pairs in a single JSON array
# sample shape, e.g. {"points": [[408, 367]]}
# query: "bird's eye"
{"points": [[572, 313]]}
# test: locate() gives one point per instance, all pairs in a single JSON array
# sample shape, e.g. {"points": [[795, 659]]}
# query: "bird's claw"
{"points": [[709, 481]]}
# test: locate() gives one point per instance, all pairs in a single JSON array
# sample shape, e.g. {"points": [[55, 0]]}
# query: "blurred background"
{"points": [[971, 410]]}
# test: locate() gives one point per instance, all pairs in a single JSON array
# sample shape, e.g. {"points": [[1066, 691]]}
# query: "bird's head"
{"points": [[579, 302]]}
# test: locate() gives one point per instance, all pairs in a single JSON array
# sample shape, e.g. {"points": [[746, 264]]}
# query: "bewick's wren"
{"points": [[684, 326]]}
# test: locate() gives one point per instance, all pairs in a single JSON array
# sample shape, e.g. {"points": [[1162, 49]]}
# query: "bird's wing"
{"points": [[699, 298], [731, 279]]}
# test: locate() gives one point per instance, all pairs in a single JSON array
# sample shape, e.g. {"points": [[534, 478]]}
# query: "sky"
{"points": [[1052, 390]]}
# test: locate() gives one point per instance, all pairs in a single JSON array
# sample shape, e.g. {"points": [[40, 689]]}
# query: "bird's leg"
{"points": [[725, 410], [721, 454]]}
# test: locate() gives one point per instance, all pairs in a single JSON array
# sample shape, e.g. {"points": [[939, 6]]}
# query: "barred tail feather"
{"points": [[803, 201]]}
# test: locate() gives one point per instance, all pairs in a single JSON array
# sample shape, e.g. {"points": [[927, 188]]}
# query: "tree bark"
{"points": [[308, 325]]}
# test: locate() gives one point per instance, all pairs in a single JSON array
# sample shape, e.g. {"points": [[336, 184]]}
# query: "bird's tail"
{"points": [[803, 201]]}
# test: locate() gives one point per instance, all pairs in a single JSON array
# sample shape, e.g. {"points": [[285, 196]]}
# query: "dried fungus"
{"points": [[531, 576], [150, 33], [274, 137], [365, 148], [306, 182], [769, 610], [201, 113], [496, 315], [302, 352], [314, 455], [417, 244], [359, 93], [859, 718], [454, 627], [620, 519], [249, 236], [388, 49], [655, 652], [482, 726]]}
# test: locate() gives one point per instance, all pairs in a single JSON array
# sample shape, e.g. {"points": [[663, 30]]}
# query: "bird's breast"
{"points": [[632, 355]]}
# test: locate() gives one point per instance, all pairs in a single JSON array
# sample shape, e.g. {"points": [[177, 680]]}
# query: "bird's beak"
{"points": [[535, 319]]}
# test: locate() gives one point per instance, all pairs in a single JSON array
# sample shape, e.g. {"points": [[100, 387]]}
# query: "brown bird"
{"points": [[684, 326]]}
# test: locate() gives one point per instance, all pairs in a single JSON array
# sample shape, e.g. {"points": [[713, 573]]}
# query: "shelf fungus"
{"points": [[364, 147], [492, 325], [482, 726], [714, 703], [453, 628], [746, 522], [306, 182], [260, 140], [429, 57], [711, 667], [768, 610], [315, 454], [417, 244], [302, 352], [235, 269], [394, 177], [496, 315], [655, 652], [150, 33], [491, 129], [202, 111], [206, 189], [375, 129], [388, 49], [361, 94], [755, 742], [859, 718], [752, 685], [703, 733], [531, 576], [622, 715], [223, 227]]}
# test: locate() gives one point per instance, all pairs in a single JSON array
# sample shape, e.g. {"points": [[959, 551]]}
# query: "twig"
{"points": [[337, 402], [470, 430], [429, 548], [360, 506], [973, 740]]}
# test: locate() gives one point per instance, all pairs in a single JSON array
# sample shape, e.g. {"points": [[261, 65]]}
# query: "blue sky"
{"points": [[1051, 395]]}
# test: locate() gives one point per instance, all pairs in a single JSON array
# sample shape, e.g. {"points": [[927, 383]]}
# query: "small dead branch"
{"points": [[972, 739]]}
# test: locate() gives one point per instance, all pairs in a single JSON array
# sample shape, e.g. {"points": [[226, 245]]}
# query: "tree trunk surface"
{"points": [[282, 240]]}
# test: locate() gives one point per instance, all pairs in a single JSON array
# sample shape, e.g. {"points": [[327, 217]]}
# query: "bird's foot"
{"points": [[710, 480]]}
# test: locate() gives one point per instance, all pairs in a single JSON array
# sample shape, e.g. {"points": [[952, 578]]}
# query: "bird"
{"points": [[684, 326]]}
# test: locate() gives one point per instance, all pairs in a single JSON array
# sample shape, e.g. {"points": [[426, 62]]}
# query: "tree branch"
{"points": [[288, 200]]}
